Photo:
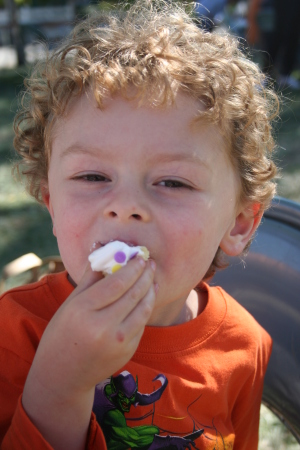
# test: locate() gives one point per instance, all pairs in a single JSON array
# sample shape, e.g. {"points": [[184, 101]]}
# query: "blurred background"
{"points": [[269, 29]]}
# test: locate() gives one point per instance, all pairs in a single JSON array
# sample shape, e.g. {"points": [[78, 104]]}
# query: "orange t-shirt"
{"points": [[199, 382]]}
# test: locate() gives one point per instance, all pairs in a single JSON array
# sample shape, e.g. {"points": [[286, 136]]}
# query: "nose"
{"points": [[126, 206]]}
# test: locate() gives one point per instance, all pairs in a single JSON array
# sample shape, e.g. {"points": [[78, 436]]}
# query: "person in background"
{"points": [[206, 10], [281, 43]]}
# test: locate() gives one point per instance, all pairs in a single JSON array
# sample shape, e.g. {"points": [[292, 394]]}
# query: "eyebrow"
{"points": [[77, 148], [180, 157], [159, 158]]}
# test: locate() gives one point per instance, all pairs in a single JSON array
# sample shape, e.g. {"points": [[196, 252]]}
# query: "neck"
{"points": [[177, 313]]}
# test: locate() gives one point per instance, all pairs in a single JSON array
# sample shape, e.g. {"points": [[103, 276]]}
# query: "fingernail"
{"points": [[152, 264], [141, 261]]}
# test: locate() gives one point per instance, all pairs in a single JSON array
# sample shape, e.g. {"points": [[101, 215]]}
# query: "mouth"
{"points": [[99, 244], [125, 406]]}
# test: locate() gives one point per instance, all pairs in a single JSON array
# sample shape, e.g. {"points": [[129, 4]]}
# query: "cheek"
{"points": [[68, 230], [71, 220], [71, 234], [183, 246], [190, 248]]}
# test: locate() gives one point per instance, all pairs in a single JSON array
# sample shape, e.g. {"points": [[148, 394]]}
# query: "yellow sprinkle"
{"points": [[145, 251], [116, 267]]}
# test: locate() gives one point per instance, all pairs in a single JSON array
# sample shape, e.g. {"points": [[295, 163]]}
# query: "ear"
{"points": [[47, 201], [241, 230]]}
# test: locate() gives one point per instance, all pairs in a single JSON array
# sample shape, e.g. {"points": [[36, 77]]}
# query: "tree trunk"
{"points": [[16, 38]]}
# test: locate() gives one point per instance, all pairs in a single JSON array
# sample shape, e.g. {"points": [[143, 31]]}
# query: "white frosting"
{"points": [[112, 256]]}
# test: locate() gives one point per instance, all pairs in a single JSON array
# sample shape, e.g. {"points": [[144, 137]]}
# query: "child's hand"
{"points": [[98, 328], [92, 335]]}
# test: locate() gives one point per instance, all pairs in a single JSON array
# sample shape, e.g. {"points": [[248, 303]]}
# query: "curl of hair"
{"points": [[157, 48]]}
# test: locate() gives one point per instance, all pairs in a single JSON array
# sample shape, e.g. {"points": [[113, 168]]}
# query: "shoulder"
{"points": [[36, 297], [240, 327], [25, 311]]}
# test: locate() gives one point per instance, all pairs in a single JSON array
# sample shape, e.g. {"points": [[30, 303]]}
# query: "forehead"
{"points": [[177, 125]]}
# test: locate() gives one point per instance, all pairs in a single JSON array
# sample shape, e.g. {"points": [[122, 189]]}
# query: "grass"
{"points": [[25, 226]]}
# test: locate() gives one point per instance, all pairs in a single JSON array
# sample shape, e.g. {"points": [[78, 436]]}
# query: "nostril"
{"points": [[136, 216]]}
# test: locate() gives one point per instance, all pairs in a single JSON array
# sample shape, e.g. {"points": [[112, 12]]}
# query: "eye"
{"points": [[92, 178], [173, 184]]}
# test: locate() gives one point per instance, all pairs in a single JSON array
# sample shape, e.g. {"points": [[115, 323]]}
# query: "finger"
{"points": [[134, 323], [114, 286], [130, 337], [128, 302], [88, 279]]}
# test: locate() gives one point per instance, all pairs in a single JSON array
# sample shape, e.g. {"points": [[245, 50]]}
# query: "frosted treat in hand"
{"points": [[112, 256]]}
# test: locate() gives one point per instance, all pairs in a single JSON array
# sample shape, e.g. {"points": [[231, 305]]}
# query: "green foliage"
{"points": [[272, 434], [18, 3], [36, 3], [25, 226], [24, 2]]}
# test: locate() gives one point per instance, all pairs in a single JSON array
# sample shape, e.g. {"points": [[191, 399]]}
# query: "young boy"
{"points": [[142, 128]]}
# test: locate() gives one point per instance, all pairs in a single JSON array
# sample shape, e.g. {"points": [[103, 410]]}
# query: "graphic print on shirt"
{"points": [[114, 398]]}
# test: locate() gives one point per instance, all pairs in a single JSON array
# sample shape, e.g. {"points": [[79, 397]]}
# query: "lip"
{"points": [[99, 244]]}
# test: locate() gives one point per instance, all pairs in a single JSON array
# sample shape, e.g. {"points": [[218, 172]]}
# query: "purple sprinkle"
{"points": [[133, 255], [120, 257]]}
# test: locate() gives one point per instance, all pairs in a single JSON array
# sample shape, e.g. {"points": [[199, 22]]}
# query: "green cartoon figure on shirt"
{"points": [[114, 398]]}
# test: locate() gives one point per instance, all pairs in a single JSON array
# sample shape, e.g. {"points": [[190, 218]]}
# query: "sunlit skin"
{"points": [[144, 176]]}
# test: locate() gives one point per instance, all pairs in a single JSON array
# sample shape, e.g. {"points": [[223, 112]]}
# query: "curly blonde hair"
{"points": [[157, 48]]}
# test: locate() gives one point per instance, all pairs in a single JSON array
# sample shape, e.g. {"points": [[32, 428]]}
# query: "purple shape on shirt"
{"points": [[120, 257]]}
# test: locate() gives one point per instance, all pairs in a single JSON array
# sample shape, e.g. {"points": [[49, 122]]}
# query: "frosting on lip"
{"points": [[98, 244], [114, 255]]}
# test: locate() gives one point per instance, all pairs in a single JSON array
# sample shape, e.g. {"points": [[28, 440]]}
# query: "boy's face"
{"points": [[143, 176]]}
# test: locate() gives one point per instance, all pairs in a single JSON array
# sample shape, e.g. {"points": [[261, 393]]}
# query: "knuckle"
{"points": [[150, 273], [141, 289], [136, 293], [147, 306], [117, 285], [147, 310]]}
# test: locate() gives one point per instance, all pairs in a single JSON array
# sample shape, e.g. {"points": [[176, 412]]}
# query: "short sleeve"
{"points": [[23, 435]]}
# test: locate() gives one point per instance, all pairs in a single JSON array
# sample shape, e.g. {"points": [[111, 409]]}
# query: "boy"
{"points": [[144, 129]]}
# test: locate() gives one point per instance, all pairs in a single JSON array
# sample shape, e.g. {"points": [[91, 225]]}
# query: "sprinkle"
{"points": [[120, 257], [115, 268], [133, 255]]}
